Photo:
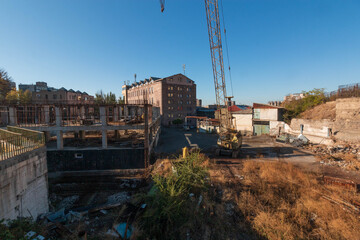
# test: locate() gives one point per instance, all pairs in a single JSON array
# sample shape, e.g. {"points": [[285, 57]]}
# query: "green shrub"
{"points": [[177, 121], [168, 203], [296, 107], [16, 229]]}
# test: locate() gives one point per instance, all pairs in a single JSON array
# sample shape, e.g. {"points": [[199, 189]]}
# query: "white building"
{"points": [[267, 119]]}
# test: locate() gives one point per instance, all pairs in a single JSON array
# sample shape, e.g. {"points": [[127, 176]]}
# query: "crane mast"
{"points": [[214, 30]]}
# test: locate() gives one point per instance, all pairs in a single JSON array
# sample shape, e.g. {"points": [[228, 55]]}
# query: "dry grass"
{"points": [[282, 202], [322, 111]]}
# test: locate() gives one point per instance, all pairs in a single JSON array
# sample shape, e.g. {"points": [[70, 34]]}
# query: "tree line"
{"points": [[9, 94]]}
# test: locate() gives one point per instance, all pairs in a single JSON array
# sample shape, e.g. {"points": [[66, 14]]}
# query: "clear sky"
{"points": [[276, 47]]}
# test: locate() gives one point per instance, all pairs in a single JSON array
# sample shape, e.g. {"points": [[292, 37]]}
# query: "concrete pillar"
{"points": [[47, 114], [146, 139], [12, 116], [47, 136], [82, 134], [58, 116], [117, 134], [104, 139], [103, 116], [59, 140], [82, 112], [116, 113], [132, 112], [120, 112], [126, 112]]}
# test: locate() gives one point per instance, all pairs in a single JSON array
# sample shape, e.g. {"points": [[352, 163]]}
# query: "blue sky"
{"points": [[276, 47]]}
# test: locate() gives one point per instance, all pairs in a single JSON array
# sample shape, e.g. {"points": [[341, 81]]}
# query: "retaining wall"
{"points": [[95, 159], [23, 185]]}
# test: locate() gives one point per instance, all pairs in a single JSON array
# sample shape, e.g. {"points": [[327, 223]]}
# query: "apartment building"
{"points": [[42, 94], [175, 95]]}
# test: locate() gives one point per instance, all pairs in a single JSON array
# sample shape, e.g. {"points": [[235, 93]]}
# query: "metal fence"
{"points": [[15, 141]]}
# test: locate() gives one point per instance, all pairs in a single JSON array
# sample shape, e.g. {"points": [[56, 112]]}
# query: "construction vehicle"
{"points": [[230, 140]]}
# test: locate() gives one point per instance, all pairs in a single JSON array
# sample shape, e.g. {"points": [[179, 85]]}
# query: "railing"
{"points": [[16, 141]]}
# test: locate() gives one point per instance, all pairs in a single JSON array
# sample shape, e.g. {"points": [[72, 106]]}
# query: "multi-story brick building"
{"points": [[175, 95], [42, 94]]}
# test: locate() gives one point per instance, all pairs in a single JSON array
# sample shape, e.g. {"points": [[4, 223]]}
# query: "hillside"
{"points": [[322, 111]]}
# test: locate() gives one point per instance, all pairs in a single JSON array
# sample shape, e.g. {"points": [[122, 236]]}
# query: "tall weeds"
{"points": [[169, 206]]}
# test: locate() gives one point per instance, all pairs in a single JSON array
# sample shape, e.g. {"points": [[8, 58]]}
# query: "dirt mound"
{"points": [[323, 111]]}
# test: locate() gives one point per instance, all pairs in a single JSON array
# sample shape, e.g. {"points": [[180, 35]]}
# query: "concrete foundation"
{"points": [[23, 185]]}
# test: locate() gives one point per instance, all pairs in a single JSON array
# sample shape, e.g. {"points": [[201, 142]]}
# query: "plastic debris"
{"points": [[121, 229], [58, 216], [103, 211], [39, 237], [30, 234]]}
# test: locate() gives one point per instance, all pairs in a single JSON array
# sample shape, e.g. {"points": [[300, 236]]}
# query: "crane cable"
{"points": [[227, 49]]}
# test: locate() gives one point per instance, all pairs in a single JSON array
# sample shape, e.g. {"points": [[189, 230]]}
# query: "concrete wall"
{"points": [[268, 114], [23, 185], [95, 159], [243, 122], [317, 131]]}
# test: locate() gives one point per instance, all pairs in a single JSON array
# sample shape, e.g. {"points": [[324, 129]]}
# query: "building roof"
{"points": [[154, 79], [239, 109], [265, 106]]}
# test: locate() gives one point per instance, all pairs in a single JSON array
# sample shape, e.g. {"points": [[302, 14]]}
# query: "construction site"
{"points": [[155, 165]]}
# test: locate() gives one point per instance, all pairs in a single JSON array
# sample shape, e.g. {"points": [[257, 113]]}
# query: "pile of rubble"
{"points": [[346, 156]]}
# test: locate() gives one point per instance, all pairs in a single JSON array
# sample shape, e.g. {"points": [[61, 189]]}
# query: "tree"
{"points": [[110, 98], [102, 98], [5, 84], [12, 97], [121, 100], [311, 99], [99, 97], [177, 121], [25, 97]]}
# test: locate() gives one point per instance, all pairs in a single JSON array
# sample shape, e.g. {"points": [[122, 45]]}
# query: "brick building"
{"points": [[42, 94], [175, 95]]}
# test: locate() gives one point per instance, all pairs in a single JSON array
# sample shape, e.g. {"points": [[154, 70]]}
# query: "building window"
{"points": [[54, 96]]}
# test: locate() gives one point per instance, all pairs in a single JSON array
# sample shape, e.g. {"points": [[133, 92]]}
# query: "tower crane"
{"points": [[229, 139]]}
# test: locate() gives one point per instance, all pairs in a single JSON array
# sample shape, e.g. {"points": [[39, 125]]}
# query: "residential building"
{"points": [[175, 95], [275, 103], [266, 118], [42, 94], [293, 96], [198, 103], [242, 116]]}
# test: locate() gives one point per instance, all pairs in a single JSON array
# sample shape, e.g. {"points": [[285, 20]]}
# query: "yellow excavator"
{"points": [[230, 140]]}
